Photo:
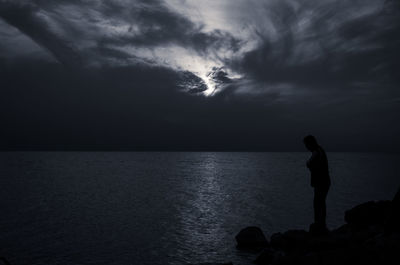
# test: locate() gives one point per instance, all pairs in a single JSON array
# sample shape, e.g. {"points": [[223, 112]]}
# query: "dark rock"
{"points": [[317, 230], [370, 237], [251, 237], [342, 256], [393, 222], [331, 242], [385, 248], [391, 249], [369, 213], [290, 240], [311, 258], [278, 241], [269, 256], [358, 233], [4, 260], [304, 258], [211, 263], [342, 230]]}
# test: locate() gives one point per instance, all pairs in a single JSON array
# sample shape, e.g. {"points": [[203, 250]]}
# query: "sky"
{"points": [[223, 75]]}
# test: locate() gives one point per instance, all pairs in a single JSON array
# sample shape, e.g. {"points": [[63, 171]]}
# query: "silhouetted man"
{"points": [[320, 181]]}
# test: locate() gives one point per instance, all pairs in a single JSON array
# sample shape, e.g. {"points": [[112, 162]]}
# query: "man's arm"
{"points": [[313, 160]]}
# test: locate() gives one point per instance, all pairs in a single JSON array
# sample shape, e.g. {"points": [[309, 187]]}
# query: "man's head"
{"points": [[310, 142]]}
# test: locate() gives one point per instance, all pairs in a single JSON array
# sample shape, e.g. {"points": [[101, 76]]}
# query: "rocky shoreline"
{"points": [[371, 235]]}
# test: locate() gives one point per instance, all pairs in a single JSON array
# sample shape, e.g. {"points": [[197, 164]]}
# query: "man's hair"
{"points": [[310, 139]]}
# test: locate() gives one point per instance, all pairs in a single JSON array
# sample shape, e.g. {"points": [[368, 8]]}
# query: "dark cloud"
{"points": [[66, 27], [218, 75], [158, 25], [328, 68], [336, 46], [191, 83], [25, 18]]}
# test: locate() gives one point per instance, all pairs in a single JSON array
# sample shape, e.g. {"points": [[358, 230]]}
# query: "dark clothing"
{"points": [[320, 180], [318, 165], [320, 194]]}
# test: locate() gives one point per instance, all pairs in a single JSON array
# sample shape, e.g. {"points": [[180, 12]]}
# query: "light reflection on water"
{"points": [[199, 217], [167, 208]]}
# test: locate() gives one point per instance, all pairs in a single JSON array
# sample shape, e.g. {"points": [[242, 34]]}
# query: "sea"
{"points": [[121, 208]]}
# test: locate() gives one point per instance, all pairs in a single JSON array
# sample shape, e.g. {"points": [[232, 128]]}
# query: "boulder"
{"points": [[332, 242], [290, 240], [393, 222], [251, 237], [212, 263], [357, 233], [391, 249], [342, 256], [4, 261], [342, 230], [269, 256], [369, 237], [318, 230], [369, 213]]}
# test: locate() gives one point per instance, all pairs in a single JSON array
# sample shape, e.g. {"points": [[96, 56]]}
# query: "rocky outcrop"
{"points": [[251, 237], [369, 213], [345, 245], [4, 261], [393, 222], [290, 240], [371, 236], [229, 263]]}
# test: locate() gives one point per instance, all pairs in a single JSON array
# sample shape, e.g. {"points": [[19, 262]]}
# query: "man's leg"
{"points": [[320, 194], [317, 207]]}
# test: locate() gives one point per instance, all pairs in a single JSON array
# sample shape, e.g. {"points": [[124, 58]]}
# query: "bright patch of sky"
{"points": [[252, 22]]}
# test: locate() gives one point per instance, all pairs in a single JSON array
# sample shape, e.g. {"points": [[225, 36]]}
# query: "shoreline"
{"points": [[370, 236]]}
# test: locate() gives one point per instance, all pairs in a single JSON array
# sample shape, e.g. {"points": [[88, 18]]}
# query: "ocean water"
{"points": [[70, 208]]}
